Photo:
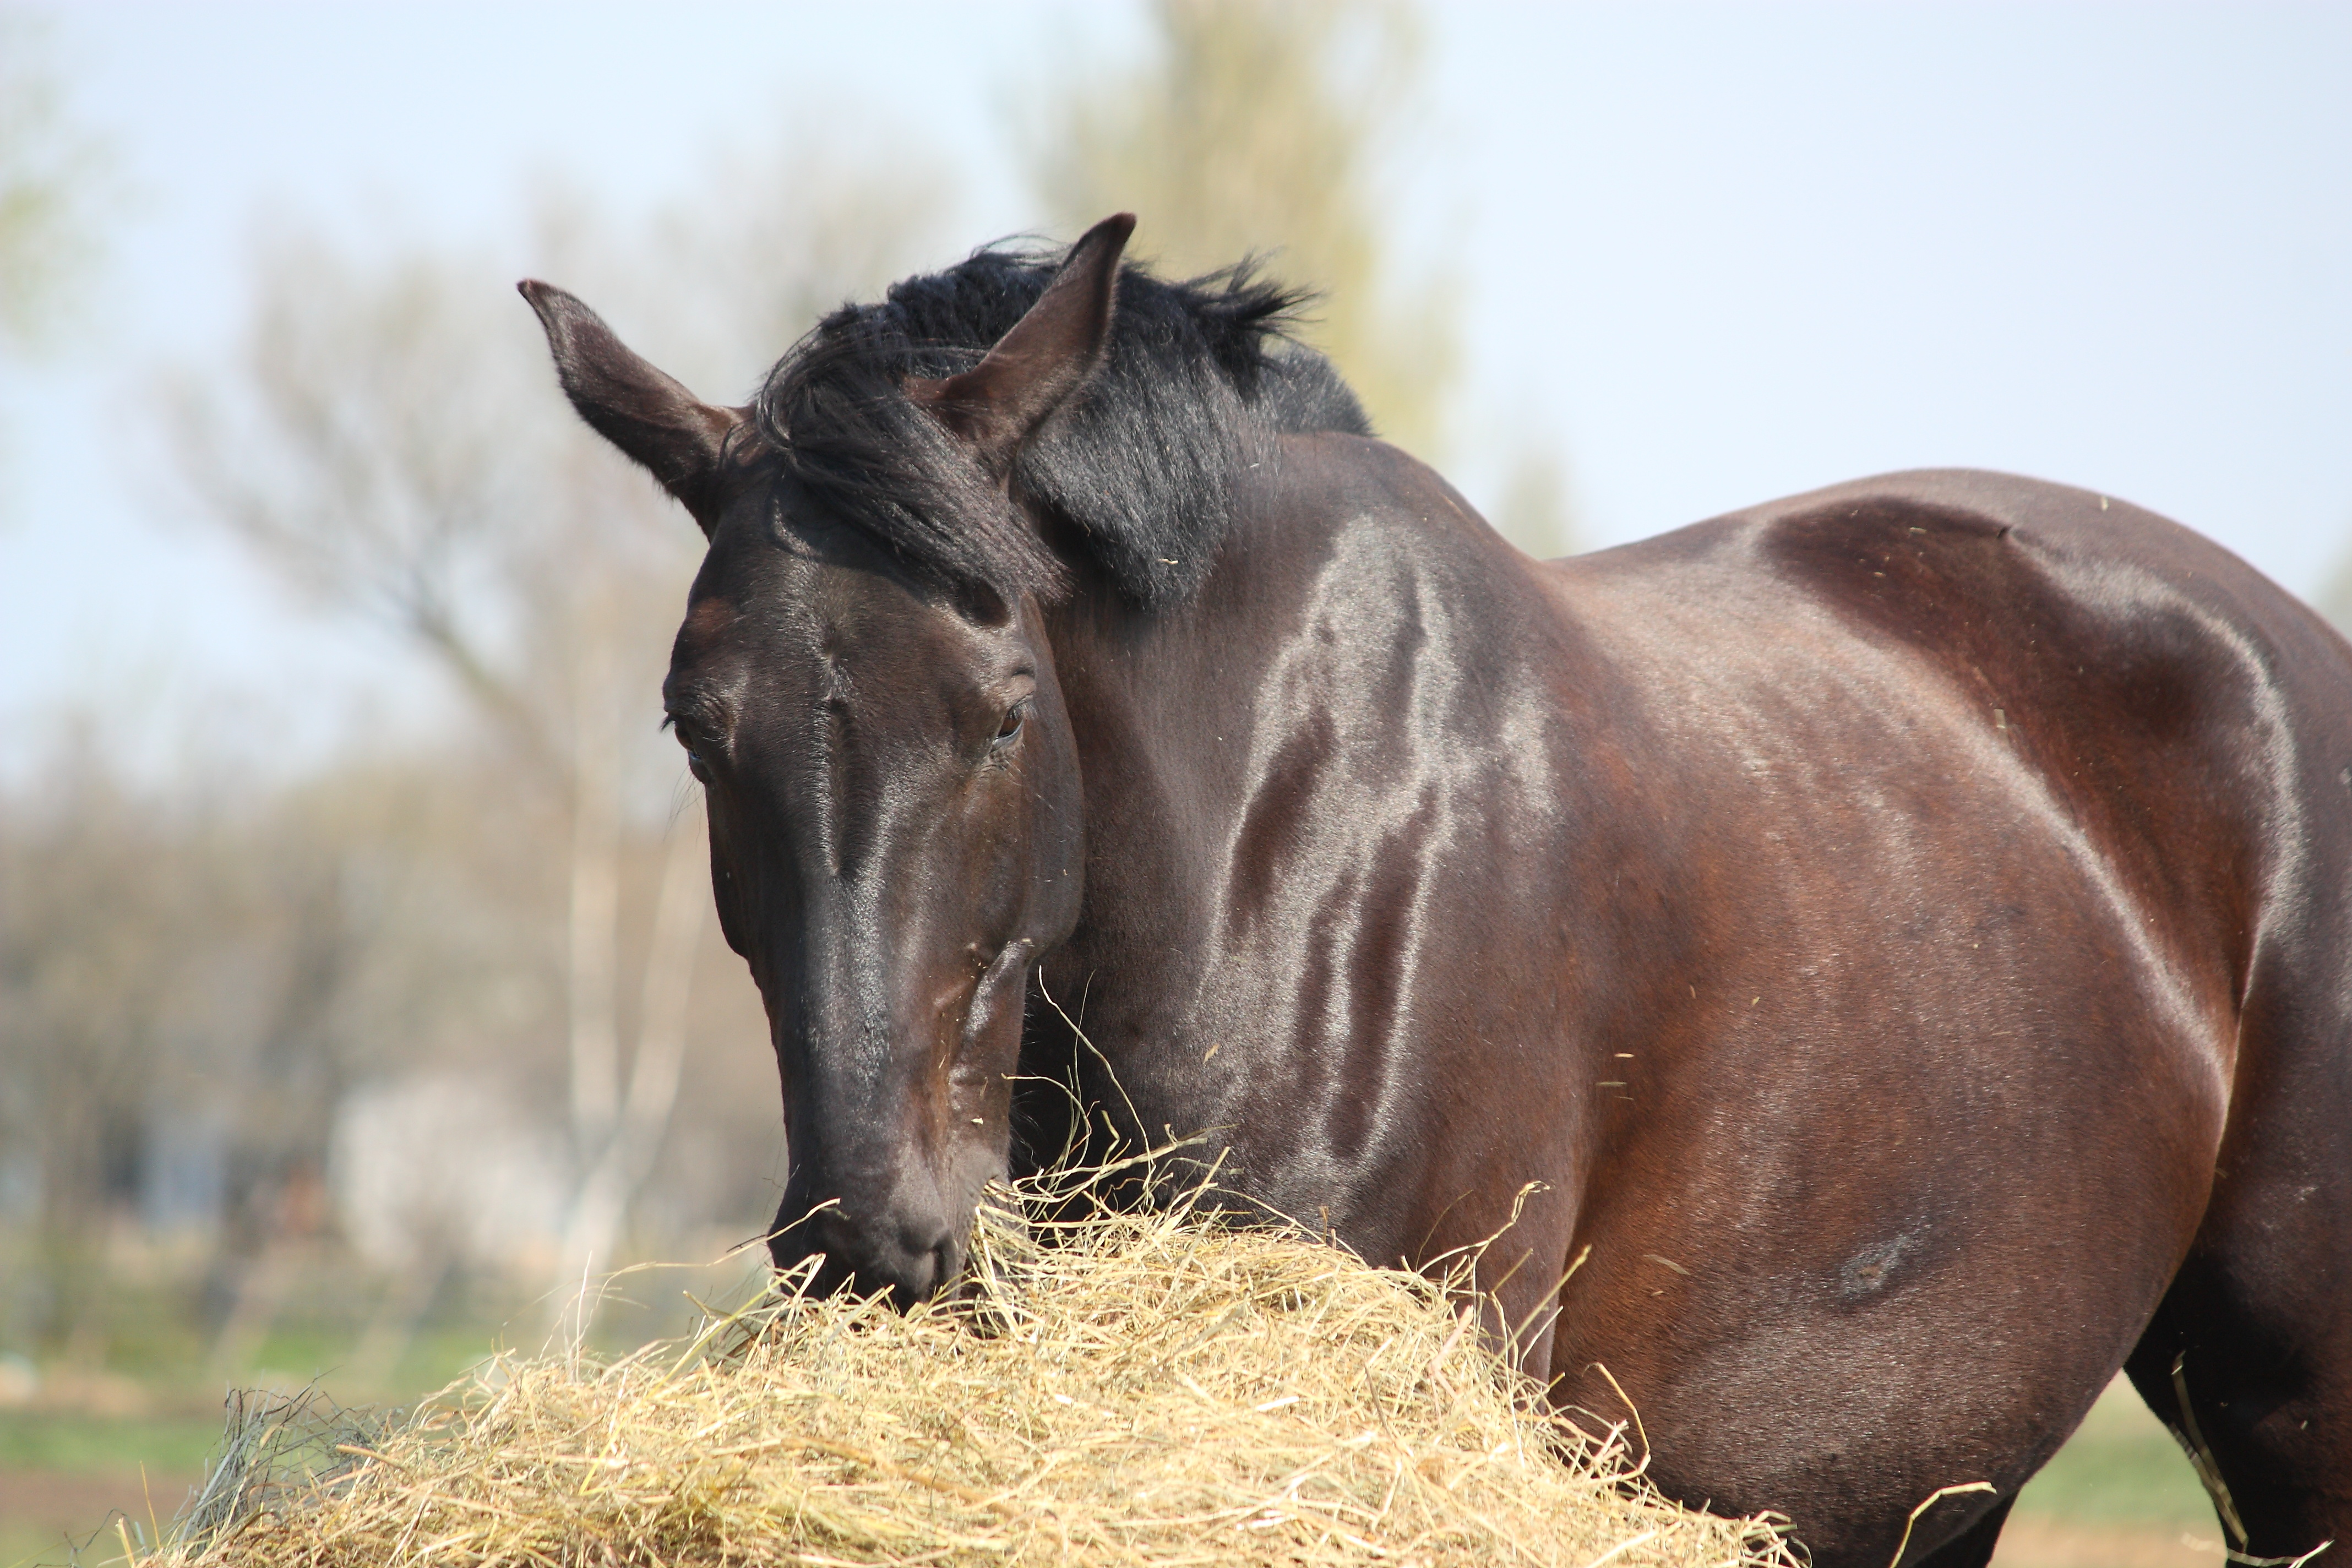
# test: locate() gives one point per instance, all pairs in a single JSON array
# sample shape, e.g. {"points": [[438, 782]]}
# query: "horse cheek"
{"points": [[726, 890], [1057, 844]]}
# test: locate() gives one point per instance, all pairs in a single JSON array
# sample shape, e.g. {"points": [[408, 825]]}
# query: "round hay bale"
{"points": [[1152, 1390]]}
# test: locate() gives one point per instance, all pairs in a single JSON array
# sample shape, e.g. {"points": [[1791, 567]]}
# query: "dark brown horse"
{"points": [[1902, 928]]}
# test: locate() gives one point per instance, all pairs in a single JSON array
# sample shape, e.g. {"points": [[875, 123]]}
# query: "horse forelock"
{"points": [[1198, 377]]}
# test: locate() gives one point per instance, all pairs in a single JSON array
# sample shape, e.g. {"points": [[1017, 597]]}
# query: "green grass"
{"points": [[23, 1545], [97, 1460], [88, 1538], [2121, 1468], [61, 1471], [45, 1440]]}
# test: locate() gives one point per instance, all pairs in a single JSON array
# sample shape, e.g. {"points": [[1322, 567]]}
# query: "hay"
{"points": [[1150, 1391]]}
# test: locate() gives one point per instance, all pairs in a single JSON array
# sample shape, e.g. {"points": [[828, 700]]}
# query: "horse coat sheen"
{"points": [[1901, 928]]}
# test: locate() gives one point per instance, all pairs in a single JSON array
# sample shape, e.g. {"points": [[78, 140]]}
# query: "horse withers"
{"points": [[1902, 929]]}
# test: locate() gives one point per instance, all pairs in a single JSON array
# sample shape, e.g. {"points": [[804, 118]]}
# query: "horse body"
{"points": [[1970, 862], [1795, 897], [1887, 949]]}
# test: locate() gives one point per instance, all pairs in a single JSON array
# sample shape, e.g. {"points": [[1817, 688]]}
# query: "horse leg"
{"points": [[2248, 1357], [1972, 1547], [2266, 1424]]}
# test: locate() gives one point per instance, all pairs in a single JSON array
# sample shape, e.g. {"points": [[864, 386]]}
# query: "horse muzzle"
{"points": [[909, 1255]]}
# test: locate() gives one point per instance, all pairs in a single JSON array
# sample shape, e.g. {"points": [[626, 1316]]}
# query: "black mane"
{"points": [[1198, 377]]}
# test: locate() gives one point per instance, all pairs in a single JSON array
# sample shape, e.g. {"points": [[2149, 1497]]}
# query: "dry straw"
{"points": [[1148, 1389]]}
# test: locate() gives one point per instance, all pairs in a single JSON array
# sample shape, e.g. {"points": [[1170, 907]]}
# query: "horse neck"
{"points": [[1228, 743]]}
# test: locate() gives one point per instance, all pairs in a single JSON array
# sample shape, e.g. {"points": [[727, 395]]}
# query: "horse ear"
{"points": [[1048, 354], [679, 439]]}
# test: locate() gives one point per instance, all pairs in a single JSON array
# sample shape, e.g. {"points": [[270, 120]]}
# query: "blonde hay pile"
{"points": [[1150, 1390]]}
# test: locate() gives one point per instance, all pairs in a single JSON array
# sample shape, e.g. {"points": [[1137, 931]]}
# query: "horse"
{"points": [[1871, 966]]}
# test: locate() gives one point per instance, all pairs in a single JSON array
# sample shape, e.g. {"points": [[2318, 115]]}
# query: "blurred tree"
{"points": [[374, 447], [2335, 597], [47, 235], [89, 897], [1533, 511], [1260, 127], [394, 444], [175, 978]]}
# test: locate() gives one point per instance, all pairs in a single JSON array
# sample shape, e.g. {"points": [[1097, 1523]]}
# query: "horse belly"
{"points": [[1884, 1202]]}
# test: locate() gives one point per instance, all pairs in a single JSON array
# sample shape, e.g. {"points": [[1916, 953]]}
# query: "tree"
{"points": [[47, 168], [180, 970], [1533, 511], [1260, 129], [394, 444], [2335, 597], [1263, 128]]}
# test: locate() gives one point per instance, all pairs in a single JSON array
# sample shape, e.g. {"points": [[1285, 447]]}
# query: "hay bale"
{"points": [[1150, 1390]]}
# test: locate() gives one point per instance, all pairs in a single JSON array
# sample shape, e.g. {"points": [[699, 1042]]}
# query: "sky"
{"points": [[1707, 256]]}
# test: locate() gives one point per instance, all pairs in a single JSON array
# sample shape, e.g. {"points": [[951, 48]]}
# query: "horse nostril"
{"points": [[926, 1262], [912, 1259]]}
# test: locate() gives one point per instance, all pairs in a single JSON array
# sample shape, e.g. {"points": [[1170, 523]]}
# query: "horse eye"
{"points": [[1012, 725], [693, 750]]}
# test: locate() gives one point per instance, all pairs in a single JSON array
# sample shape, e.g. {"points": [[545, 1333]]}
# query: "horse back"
{"points": [[2170, 719]]}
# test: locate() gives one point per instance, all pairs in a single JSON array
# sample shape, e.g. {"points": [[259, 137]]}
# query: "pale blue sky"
{"points": [[1714, 254]]}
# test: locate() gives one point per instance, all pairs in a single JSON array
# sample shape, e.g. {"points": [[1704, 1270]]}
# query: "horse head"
{"points": [[895, 824]]}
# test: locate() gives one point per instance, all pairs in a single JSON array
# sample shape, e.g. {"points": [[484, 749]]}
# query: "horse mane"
{"points": [[1197, 379]]}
